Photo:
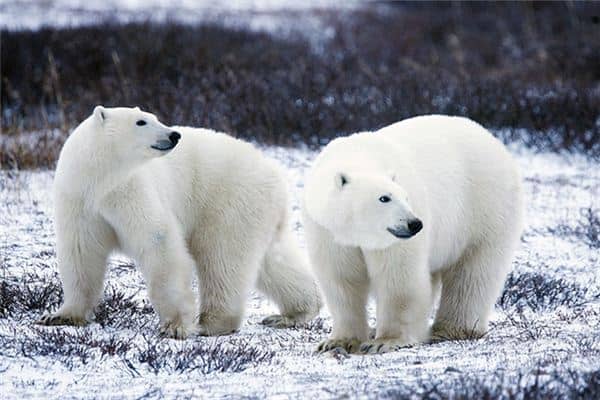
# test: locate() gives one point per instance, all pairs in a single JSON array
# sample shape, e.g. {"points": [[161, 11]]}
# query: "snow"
{"points": [[281, 16], [551, 348]]}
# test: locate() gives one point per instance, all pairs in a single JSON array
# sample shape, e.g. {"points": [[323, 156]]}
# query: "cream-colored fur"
{"points": [[212, 204], [454, 177]]}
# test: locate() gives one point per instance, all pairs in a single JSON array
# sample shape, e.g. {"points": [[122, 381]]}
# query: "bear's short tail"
{"points": [[285, 278]]}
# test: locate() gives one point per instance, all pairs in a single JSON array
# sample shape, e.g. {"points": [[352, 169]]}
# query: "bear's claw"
{"points": [[172, 330], [217, 324], [205, 331], [349, 345], [278, 321], [57, 320], [287, 321], [441, 333], [379, 346]]}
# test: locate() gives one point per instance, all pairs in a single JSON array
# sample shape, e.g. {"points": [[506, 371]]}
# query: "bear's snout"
{"points": [[414, 226], [168, 142], [174, 137], [407, 229]]}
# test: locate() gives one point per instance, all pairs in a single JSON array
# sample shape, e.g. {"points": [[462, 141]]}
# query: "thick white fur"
{"points": [[212, 204], [450, 173]]}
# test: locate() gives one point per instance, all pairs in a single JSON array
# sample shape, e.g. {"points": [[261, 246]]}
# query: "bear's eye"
{"points": [[141, 122], [385, 199]]}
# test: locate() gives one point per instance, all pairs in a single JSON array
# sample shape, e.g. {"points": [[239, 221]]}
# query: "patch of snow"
{"points": [[522, 347], [286, 17]]}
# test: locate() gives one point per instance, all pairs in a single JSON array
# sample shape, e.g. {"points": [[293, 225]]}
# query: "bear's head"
{"points": [[368, 211], [133, 135]]}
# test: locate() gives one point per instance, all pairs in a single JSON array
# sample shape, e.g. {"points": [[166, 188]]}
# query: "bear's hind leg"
{"points": [[469, 290], [285, 278], [224, 286], [227, 269]]}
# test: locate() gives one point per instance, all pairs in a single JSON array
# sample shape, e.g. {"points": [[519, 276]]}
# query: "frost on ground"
{"points": [[276, 16], [544, 340]]}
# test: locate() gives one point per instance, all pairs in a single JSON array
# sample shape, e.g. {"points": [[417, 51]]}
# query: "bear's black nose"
{"points": [[174, 137], [414, 226]]}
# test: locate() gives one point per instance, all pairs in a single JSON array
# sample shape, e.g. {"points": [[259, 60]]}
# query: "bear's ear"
{"points": [[393, 176], [341, 180], [100, 114], [137, 108]]}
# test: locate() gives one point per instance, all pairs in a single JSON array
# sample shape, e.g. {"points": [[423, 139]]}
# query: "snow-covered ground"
{"points": [[544, 339], [274, 16]]}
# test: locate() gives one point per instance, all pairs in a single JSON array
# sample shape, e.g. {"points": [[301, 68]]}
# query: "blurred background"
{"points": [[285, 73]]}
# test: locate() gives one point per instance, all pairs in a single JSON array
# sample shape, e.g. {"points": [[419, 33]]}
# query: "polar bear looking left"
{"points": [[175, 200]]}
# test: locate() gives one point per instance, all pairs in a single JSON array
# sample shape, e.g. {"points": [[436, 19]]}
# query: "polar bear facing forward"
{"points": [[176, 200], [428, 203]]}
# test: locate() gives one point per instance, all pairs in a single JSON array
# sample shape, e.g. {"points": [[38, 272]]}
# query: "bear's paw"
{"points": [[59, 319], [380, 346], [179, 331], [350, 345], [442, 333]]}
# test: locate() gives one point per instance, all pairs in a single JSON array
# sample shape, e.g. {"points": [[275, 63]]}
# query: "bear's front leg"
{"points": [[169, 288], [342, 276], [167, 268], [153, 236], [82, 247], [284, 278], [346, 301], [402, 287]]}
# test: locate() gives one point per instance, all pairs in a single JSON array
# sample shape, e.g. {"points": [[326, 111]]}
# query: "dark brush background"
{"points": [[506, 65]]}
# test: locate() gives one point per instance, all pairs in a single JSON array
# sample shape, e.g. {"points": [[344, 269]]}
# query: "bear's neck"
{"points": [[89, 170]]}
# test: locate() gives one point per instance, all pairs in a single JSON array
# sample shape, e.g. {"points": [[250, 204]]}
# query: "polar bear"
{"points": [[427, 204], [176, 200]]}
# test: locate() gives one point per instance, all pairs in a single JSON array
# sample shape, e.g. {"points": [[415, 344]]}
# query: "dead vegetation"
{"points": [[527, 65]]}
